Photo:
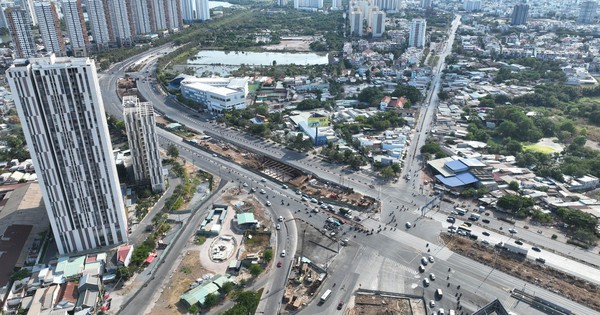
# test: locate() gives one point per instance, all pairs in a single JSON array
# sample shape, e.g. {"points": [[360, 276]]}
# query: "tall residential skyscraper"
{"points": [[61, 109], [100, 23], [377, 23], [587, 12], [519, 14], [73, 18], [28, 6], [49, 27], [173, 14], [336, 4], [195, 10], [142, 15], [140, 125], [356, 23], [425, 4], [416, 37], [472, 5], [19, 27], [122, 21]]}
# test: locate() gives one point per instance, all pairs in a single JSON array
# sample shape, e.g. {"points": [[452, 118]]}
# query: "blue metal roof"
{"points": [[467, 178], [451, 181], [456, 166]]}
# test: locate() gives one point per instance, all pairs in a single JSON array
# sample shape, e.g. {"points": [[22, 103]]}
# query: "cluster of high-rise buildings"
{"points": [[373, 13], [112, 23], [61, 109]]}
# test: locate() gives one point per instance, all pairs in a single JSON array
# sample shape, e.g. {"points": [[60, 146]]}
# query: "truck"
{"points": [[474, 217], [513, 248], [325, 295]]}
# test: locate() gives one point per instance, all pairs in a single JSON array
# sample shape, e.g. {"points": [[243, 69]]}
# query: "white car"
{"points": [[245, 185], [313, 200], [512, 231], [268, 203], [431, 260], [284, 186], [262, 180], [262, 191], [278, 227], [283, 253]]}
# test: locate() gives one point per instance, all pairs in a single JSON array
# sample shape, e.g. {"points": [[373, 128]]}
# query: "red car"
{"points": [[279, 264], [340, 306]]}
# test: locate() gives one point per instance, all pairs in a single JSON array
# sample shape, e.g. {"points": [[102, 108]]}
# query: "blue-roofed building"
{"points": [[456, 173]]}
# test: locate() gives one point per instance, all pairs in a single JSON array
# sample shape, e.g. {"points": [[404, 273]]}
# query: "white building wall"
{"points": [[141, 16], [121, 24], [19, 26], [73, 18], [49, 27], [99, 23], [417, 33], [64, 123], [195, 10], [140, 125]]}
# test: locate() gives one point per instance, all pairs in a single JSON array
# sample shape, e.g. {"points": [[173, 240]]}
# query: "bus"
{"points": [[325, 295], [465, 229], [460, 211]]}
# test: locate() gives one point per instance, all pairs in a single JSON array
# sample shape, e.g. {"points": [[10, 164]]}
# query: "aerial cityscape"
{"points": [[358, 157]]}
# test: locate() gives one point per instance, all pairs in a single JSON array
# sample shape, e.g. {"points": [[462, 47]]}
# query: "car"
{"points": [[252, 189], [408, 177], [454, 212], [451, 229], [512, 231], [485, 233], [245, 185], [340, 305], [278, 227], [421, 268], [469, 224], [462, 232], [485, 221], [262, 191], [432, 276], [424, 261], [540, 260], [313, 200], [304, 199], [298, 192], [280, 219], [215, 155], [284, 186], [283, 253], [518, 242], [451, 219], [485, 242], [324, 206], [425, 282], [268, 203], [441, 312], [537, 249], [431, 260], [279, 264], [408, 225], [432, 303], [262, 180]]}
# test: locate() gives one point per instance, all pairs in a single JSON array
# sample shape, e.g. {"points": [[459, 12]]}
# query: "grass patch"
{"points": [[539, 148], [199, 240]]}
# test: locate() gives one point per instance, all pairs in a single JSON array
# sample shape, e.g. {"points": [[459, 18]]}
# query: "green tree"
{"points": [[371, 95], [411, 93], [123, 273], [255, 270], [514, 203], [172, 151], [210, 300], [514, 186], [193, 309], [227, 287], [20, 274], [268, 254], [387, 172]]}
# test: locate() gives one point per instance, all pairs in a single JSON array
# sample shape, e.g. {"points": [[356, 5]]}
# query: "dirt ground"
{"points": [[556, 281], [188, 271], [380, 305], [292, 44]]}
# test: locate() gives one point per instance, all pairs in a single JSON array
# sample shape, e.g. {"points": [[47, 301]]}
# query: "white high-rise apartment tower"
{"points": [[336, 4], [140, 125], [356, 23], [49, 27], [417, 33], [100, 23], [19, 26], [142, 16], [122, 26], [195, 10], [73, 18], [60, 107], [377, 23]]}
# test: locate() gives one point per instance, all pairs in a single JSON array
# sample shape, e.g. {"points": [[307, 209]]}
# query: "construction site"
{"points": [[367, 302]]}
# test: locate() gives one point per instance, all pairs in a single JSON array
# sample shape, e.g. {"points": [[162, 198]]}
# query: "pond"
{"points": [[215, 4], [211, 57]]}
